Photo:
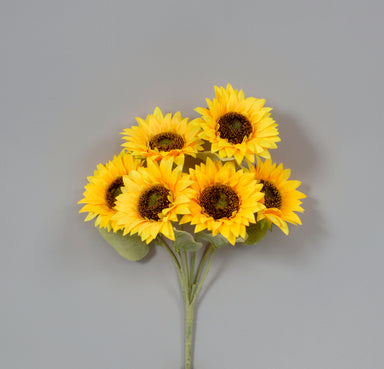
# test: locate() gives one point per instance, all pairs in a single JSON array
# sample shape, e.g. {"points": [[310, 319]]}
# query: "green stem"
{"points": [[189, 311], [202, 262], [184, 279], [170, 252], [186, 267], [207, 267], [179, 269], [191, 273]]}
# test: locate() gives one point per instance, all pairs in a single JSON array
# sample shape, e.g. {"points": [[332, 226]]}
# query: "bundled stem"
{"points": [[191, 284], [189, 311]]}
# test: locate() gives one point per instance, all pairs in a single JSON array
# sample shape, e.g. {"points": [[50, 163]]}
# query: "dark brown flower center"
{"points": [[234, 127], [153, 201], [219, 201], [272, 196], [113, 191], [166, 141]]}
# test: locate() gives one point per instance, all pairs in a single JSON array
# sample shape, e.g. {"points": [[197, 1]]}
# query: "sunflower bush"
{"points": [[150, 194]]}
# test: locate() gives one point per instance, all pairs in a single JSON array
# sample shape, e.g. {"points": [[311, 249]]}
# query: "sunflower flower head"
{"points": [[237, 126], [224, 200], [163, 136], [103, 187], [281, 199], [151, 199]]}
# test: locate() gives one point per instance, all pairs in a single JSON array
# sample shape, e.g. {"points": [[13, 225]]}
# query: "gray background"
{"points": [[75, 73]]}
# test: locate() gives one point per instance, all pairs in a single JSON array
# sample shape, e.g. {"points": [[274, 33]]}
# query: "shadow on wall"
{"points": [[295, 150]]}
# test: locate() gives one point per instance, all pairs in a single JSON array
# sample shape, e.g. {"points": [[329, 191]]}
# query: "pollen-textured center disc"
{"points": [[234, 127], [113, 191], [219, 201], [153, 201], [166, 141], [272, 196]]}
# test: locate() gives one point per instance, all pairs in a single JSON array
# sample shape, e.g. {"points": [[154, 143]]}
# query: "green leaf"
{"points": [[256, 232], [217, 241], [185, 241], [129, 247]]}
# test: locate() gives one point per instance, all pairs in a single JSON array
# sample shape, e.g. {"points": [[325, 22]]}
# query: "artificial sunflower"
{"points": [[152, 198], [237, 126], [281, 198], [103, 187], [224, 200], [163, 136]]}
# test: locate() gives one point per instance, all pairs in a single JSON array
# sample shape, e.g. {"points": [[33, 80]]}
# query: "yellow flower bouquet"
{"points": [[151, 195]]}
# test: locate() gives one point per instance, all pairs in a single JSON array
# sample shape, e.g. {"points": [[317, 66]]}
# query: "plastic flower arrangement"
{"points": [[146, 194]]}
